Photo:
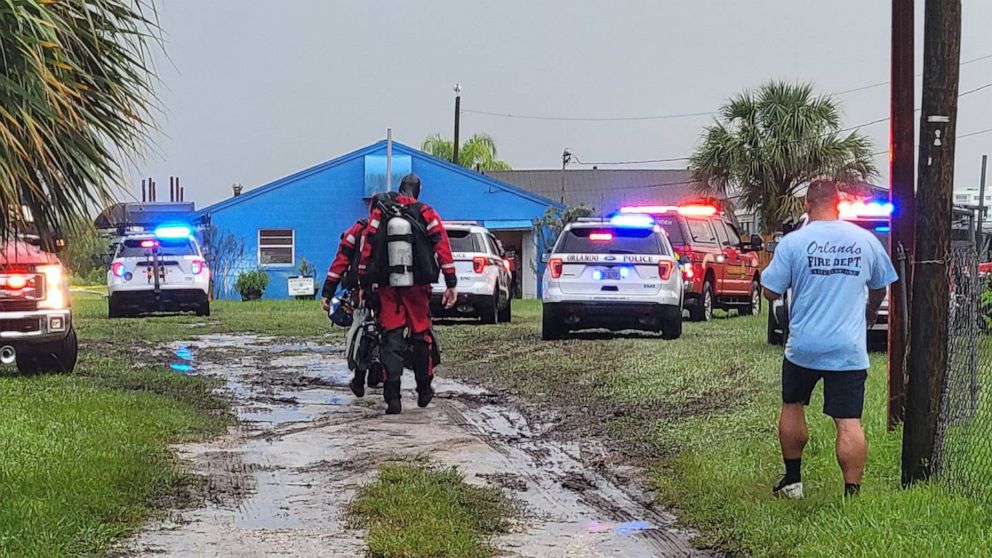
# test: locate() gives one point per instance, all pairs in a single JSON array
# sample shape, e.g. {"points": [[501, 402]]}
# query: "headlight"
{"points": [[56, 293]]}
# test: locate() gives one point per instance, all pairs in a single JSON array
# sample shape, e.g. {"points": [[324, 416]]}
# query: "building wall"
{"points": [[320, 203]]}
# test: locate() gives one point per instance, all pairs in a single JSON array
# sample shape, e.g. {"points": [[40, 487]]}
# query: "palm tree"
{"points": [[768, 144], [478, 152], [76, 101]]}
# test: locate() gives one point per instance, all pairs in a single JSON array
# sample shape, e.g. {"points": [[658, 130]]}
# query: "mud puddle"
{"points": [[280, 481]]}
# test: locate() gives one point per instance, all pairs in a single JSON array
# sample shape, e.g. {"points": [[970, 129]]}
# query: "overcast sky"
{"points": [[255, 89]]}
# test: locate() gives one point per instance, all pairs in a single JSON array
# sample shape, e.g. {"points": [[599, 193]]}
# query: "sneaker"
{"points": [[424, 397], [788, 490]]}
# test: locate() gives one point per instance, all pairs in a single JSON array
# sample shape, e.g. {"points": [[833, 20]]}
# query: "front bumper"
{"points": [[165, 299], [39, 326]]}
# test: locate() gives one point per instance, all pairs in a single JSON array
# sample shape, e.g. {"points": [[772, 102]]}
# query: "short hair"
{"points": [[822, 191]]}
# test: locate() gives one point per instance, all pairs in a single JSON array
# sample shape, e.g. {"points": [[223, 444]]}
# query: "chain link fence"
{"points": [[963, 449]]}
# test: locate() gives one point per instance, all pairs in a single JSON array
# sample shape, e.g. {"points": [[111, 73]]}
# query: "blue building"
{"points": [[302, 215]]}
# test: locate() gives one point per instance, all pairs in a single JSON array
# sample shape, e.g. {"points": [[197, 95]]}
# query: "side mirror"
{"points": [[770, 248], [545, 258], [757, 243]]}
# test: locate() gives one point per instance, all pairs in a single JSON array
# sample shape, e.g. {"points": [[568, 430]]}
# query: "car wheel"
{"points": [[60, 357], [754, 306], [703, 310], [203, 309], [551, 327], [671, 323], [114, 309], [490, 310], [506, 313]]}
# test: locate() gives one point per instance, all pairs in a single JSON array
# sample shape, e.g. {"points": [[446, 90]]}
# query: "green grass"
{"points": [[84, 457], [701, 412], [417, 511]]}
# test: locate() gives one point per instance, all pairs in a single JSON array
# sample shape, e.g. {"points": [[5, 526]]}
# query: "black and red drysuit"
{"points": [[400, 308]]}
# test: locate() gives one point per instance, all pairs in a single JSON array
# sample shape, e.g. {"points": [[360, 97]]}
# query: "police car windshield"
{"points": [[464, 241], [610, 240], [131, 248]]}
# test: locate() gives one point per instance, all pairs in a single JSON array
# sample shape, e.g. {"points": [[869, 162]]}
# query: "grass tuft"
{"points": [[416, 511]]}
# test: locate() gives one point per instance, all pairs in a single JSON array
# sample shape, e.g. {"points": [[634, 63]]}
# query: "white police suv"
{"points": [[617, 274], [483, 276], [163, 271]]}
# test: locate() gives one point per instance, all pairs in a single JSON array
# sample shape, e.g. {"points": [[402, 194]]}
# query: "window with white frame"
{"points": [[276, 247]]}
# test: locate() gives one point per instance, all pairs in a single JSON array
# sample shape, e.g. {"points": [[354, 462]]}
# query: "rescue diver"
{"points": [[405, 246], [343, 271]]}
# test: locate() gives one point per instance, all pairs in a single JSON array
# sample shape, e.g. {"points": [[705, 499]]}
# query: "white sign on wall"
{"points": [[301, 286]]}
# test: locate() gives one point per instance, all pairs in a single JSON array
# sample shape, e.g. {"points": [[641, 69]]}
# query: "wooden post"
{"points": [[927, 364], [902, 194]]}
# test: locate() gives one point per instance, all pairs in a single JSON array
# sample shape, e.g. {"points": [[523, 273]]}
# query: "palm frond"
{"points": [[76, 89]]}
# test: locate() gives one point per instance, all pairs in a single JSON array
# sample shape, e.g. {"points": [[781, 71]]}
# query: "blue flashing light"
{"points": [[173, 230], [597, 275], [632, 221], [624, 272], [883, 229]]}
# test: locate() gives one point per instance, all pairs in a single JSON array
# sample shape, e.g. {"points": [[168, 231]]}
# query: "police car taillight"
{"points": [[665, 268], [479, 264], [555, 265], [117, 269], [507, 265], [197, 266]]}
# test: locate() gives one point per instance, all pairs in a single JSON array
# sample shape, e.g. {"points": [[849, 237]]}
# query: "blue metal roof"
{"points": [[398, 148]]}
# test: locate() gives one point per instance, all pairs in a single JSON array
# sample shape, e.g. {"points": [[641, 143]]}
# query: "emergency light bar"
{"points": [[173, 231], [858, 209], [690, 210], [632, 221]]}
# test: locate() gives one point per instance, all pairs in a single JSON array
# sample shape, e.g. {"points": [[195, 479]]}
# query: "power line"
{"points": [[589, 119], [638, 162], [689, 114]]}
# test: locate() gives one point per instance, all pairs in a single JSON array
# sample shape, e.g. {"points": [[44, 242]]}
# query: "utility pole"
{"points": [[902, 194], [566, 158], [458, 119], [979, 234], [927, 363]]}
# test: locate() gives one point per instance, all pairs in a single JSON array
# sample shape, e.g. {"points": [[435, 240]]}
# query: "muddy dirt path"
{"points": [[279, 482]]}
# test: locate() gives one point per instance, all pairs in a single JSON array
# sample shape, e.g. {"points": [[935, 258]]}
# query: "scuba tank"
{"points": [[399, 246]]}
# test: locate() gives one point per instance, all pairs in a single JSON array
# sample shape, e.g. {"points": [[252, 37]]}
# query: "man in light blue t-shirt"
{"points": [[837, 273]]}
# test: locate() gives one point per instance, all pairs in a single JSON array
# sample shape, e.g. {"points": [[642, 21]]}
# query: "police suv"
{"points": [[160, 271], [618, 274], [873, 216], [483, 276]]}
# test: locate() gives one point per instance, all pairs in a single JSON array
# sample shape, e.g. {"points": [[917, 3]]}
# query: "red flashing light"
{"points": [[600, 237], [648, 209], [555, 265], [479, 264], [149, 244], [117, 269], [16, 282], [697, 211]]}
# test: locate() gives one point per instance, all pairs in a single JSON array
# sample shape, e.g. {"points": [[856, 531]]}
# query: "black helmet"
{"points": [[410, 186]]}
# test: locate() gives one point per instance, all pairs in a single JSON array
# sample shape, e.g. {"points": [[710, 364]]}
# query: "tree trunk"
{"points": [[927, 364]]}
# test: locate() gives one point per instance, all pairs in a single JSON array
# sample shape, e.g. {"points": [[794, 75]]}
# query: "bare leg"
{"points": [[852, 449], [792, 433]]}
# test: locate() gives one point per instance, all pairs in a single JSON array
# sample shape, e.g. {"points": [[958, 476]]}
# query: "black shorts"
{"points": [[843, 392]]}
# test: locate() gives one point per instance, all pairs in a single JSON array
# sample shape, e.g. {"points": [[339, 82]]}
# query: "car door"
{"points": [[735, 278], [705, 242]]}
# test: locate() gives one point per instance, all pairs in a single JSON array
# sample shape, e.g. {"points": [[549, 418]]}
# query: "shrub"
{"points": [[251, 284]]}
